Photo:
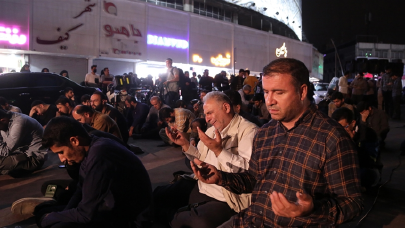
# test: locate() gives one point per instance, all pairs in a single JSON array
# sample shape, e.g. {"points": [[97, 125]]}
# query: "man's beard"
{"points": [[99, 108]]}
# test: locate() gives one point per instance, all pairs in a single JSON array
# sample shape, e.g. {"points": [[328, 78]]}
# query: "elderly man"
{"points": [[179, 119], [86, 115], [227, 145], [304, 170], [64, 106], [114, 186], [43, 112], [338, 101], [99, 102], [244, 92], [152, 125], [21, 151]]}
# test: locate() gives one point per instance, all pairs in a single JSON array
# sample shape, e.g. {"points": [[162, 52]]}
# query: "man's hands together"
{"points": [[282, 207]]}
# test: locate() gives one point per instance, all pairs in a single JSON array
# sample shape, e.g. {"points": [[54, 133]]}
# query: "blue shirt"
{"points": [[114, 187], [138, 114]]}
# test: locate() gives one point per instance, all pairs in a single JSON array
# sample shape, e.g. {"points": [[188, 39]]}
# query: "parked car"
{"points": [[21, 89], [321, 89]]}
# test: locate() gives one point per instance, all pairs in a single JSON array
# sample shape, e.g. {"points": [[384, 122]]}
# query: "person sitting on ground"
{"points": [[85, 100], [198, 107], [227, 144], [152, 125], [179, 119], [99, 102], [69, 94], [64, 106], [259, 109], [236, 102], [21, 151], [43, 112], [114, 186], [136, 115], [244, 93], [197, 123], [7, 106], [86, 115], [375, 119], [366, 142], [338, 101]]}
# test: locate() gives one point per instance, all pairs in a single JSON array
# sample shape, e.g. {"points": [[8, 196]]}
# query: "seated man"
{"points": [[42, 112], [260, 110], [69, 94], [227, 144], [8, 107], [179, 119], [153, 124], [236, 102], [114, 186], [338, 101], [100, 104], [21, 151], [244, 95], [137, 113], [85, 100], [366, 142], [86, 115], [375, 119], [198, 107], [64, 106]]}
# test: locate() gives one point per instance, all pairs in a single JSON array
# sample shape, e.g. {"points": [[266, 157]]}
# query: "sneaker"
{"points": [[26, 206]]}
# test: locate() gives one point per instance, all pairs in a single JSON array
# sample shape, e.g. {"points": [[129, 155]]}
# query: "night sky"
{"points": [[343, 20]]}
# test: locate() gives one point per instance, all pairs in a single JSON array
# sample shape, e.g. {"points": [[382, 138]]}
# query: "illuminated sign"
{"points": [[281, 51], [167, 42], [12, 36], [197, 59], [221, 61]]}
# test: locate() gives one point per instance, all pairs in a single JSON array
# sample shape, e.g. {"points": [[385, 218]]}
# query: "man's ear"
{"points": [[227, 107], [353, 123], [303, 91], [86, 114], [74, 141]]}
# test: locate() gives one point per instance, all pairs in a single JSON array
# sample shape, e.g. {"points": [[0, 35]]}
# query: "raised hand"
{"points": [[215, 145], [207, 173], [282, 207], [177, 137]]}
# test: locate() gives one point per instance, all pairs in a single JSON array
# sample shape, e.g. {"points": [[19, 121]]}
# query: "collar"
{"points": [[305, 118], [232, 128]]}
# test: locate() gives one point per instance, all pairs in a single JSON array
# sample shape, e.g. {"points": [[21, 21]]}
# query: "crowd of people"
{"points": [[260, 152]]}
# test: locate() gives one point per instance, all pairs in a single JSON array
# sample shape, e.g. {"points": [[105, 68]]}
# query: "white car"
{"points": [[321, 89]]}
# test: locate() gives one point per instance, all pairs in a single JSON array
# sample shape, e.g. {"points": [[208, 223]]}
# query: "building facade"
{"points": [[134, 36]]}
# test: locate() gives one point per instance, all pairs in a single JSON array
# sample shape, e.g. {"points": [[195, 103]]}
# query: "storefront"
{"points": [[132, 36]]}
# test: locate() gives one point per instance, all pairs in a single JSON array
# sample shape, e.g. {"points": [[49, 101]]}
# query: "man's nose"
{"points": [[62, 158]]}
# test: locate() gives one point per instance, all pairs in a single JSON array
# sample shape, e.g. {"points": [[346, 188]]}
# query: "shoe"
{"points": [[163, 145], [26, 206]]}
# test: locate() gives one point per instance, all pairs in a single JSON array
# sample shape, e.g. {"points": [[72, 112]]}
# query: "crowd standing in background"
{"points": [[242, 136]]}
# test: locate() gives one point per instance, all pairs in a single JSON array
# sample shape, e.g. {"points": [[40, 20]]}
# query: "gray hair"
{"points": [[155, 98], [247, 87], [218, 96]]}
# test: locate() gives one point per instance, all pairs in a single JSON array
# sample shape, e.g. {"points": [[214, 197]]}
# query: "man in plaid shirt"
{"points": [[304, 170]]}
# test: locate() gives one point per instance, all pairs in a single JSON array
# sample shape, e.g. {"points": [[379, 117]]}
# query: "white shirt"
{"points": [[343, 85], [90, 77], [237, 143]]}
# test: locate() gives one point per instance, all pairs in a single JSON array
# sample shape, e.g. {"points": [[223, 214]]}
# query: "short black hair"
{"points": [[241, 70], [67, 89], [293, 67], [81, 109], [131, 99], [363, 105], [59, 130], [247, 71], [44, 69], [36, 102], [102, 95], [5, 114], [203, 124], [85, 98], [93, 66], [234, 96], [337, 95], [165, 113], [343, 114], [258, 97], [3, 101], [63, 101]]}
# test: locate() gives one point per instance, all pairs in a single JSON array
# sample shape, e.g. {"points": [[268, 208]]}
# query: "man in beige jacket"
{"points": [[227, 145]]}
